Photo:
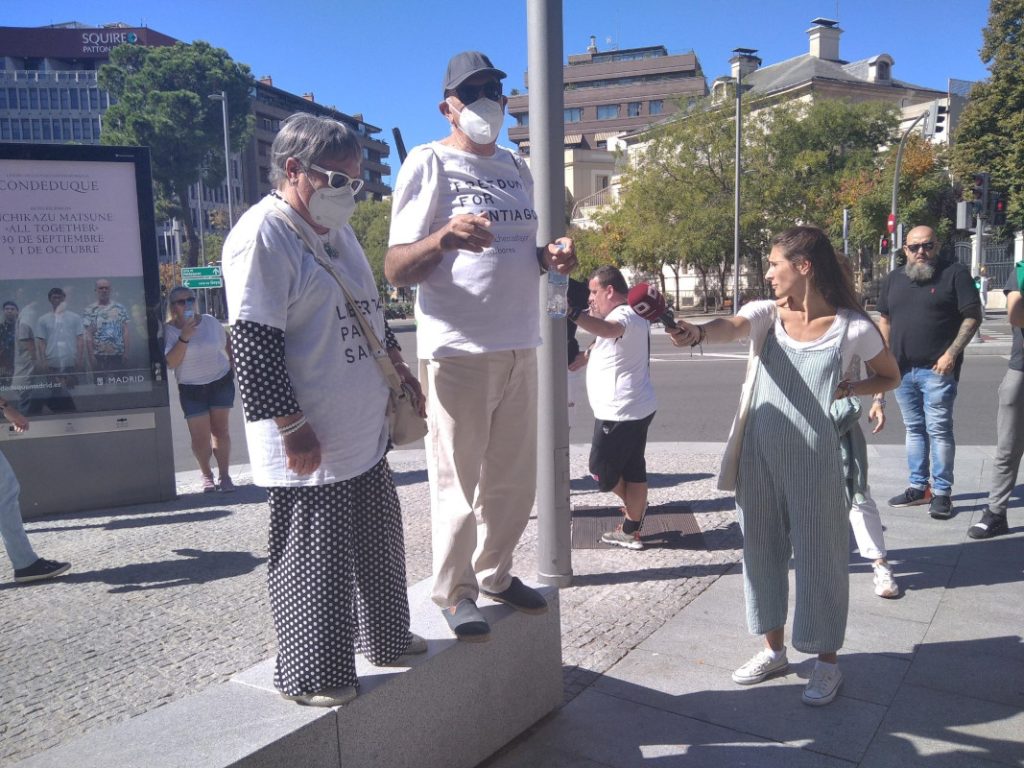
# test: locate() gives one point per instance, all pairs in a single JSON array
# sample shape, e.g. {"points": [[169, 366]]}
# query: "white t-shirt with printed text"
{"points": [[271, 278], [471, 302]]}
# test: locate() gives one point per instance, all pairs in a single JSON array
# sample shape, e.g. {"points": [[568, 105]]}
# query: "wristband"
{"points": [[182, 340], [880, 400], [701, 335]]}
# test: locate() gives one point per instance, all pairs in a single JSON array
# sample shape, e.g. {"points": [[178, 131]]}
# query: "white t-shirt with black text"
{"points": [[271, 278], [471, 302]]}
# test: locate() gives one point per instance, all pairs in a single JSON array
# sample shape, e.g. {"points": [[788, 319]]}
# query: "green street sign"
{"points": [[201, 277], [202, 282]]}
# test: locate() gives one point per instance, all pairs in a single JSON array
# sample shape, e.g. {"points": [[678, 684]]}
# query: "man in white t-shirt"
{"points": [[464, 230], [621, 397]]}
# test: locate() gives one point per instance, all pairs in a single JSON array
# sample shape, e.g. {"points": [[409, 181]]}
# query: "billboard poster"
{"points": [[78, 280]]}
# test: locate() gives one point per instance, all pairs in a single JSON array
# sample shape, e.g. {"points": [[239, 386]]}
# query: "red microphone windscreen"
{"points": [[646, 301]]}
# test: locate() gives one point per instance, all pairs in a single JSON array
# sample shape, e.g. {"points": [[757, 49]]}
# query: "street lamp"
{"points": [[741, 54], [222, 97]]}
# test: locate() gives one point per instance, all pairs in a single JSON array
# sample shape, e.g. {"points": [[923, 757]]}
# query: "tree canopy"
{"points": [[990, 135], [803, 163], [372, 222], [162, 102]]}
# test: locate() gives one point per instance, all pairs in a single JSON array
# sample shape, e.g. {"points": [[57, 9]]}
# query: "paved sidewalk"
{"points": [[166, 599], [935, 678]]}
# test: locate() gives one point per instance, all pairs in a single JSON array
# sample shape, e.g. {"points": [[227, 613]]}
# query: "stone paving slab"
{"points": [[166, 599]]}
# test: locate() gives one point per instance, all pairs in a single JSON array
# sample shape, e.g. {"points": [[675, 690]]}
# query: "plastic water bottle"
{"points": [[558, 290]]}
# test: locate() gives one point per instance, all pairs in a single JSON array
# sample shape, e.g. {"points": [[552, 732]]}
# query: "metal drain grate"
{"points": [[668, 526]]}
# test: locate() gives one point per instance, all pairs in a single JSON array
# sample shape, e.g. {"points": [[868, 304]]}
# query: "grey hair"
{"points": [[308, 139], [171, 296]]}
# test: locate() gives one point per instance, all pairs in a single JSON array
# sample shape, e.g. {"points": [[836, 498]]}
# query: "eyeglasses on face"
{"points": [[469, 93], [915, 247], [183, 302], [339, 180]]}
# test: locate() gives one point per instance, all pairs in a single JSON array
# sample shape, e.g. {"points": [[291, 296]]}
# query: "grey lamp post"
{"points": [[222, 97], [741, 53]]}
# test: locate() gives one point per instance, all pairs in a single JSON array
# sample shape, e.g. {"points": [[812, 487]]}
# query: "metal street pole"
{"points": [[222, 97], [554, 515], [742, 54], [896, 181]]}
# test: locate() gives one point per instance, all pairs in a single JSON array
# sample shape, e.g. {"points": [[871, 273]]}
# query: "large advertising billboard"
{"points": [[78, 280]]}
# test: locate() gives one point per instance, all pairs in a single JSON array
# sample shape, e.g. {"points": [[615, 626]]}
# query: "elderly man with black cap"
{"points": [[464, 230]]}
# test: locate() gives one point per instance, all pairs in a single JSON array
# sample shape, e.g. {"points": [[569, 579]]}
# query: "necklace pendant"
{"points": [[331, 251]]}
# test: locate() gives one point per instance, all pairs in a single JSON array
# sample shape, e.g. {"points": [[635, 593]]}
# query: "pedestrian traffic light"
{"points": [[884, 244], [979, 194], [998, 209]]}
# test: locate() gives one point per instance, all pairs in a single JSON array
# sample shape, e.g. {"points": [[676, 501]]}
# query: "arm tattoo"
{"points": [[968, 327]]}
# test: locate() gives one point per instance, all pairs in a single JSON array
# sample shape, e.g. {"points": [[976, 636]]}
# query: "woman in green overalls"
{"points": [[783, 457]]}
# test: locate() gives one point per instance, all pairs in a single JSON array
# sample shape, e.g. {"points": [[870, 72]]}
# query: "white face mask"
{"points": [[331, 208], [481, 121]]}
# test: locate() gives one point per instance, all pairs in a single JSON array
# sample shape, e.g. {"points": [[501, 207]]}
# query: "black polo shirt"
{"points": [[924, 318]]}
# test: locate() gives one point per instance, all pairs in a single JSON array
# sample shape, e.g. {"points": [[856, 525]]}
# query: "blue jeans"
{"points": [[11, 528], [926, 402]]}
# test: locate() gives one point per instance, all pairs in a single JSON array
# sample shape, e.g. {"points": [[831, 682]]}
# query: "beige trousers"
{"points": [[482, 466]]}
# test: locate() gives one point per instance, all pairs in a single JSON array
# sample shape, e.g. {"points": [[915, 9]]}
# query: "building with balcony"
{"points": [[611, 92], [49, 94]]}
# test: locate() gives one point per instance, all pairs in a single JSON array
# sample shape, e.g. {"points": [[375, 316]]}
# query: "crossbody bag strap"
{"points": [[376, 348]]}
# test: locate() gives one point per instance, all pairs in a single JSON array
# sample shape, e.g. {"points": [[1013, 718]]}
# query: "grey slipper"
{"points": [[467, 622]]}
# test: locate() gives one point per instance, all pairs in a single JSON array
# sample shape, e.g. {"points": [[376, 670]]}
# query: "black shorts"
{"points": [[617, 452]]}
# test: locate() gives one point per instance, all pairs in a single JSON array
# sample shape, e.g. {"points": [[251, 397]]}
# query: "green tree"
{"points": [[162, 103], [372, 222], [990, 136]]}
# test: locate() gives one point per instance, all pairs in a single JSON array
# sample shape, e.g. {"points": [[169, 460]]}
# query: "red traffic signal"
{"points": [[999, 209], [883, 245]]}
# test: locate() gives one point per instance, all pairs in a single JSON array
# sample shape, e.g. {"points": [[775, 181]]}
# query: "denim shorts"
{"points": [[199, 399]]}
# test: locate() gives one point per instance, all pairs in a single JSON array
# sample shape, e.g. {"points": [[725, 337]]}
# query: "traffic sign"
{"points": [[891, 223], [201, 277]]}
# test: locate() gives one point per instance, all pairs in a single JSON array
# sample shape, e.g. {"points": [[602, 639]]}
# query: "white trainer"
{"points": [[885, 581], [760, 667], [823, 685]]}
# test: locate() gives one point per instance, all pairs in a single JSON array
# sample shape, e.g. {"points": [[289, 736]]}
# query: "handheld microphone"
{"points": [[648, 302]]}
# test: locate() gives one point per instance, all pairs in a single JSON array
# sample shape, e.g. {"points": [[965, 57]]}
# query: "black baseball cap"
{"points": [[463, 66]]}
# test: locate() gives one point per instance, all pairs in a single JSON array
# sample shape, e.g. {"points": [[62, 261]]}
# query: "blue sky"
{"points": [[386, 58]]}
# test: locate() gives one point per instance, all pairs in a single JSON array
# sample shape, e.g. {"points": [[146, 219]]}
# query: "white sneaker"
{"points": [[885, 581], [823, 685], [760, 668]]}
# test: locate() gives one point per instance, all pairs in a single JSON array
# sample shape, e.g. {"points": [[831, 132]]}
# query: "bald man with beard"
{"points": [[929, 310]]}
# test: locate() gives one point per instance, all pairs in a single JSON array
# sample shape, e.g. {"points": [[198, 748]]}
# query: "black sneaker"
{"points": [[39, 570], [911, 497], [941, 508], [990, 525]]}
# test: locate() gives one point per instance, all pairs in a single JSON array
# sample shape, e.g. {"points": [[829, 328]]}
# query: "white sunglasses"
{"points": [[339, 180]]}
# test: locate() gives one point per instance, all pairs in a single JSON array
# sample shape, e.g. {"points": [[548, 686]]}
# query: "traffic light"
{"points": [[998, 209], [884, 244], [979, 194], [935, 123]]}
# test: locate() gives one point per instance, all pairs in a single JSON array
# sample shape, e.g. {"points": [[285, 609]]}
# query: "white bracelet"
{"points": [[295, 426]]}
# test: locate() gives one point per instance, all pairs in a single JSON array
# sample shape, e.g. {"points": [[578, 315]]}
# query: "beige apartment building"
{"points": [[607, 94]]}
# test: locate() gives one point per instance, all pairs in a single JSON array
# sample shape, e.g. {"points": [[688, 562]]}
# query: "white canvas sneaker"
{"points": [[760, 668], [823, 685]]}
